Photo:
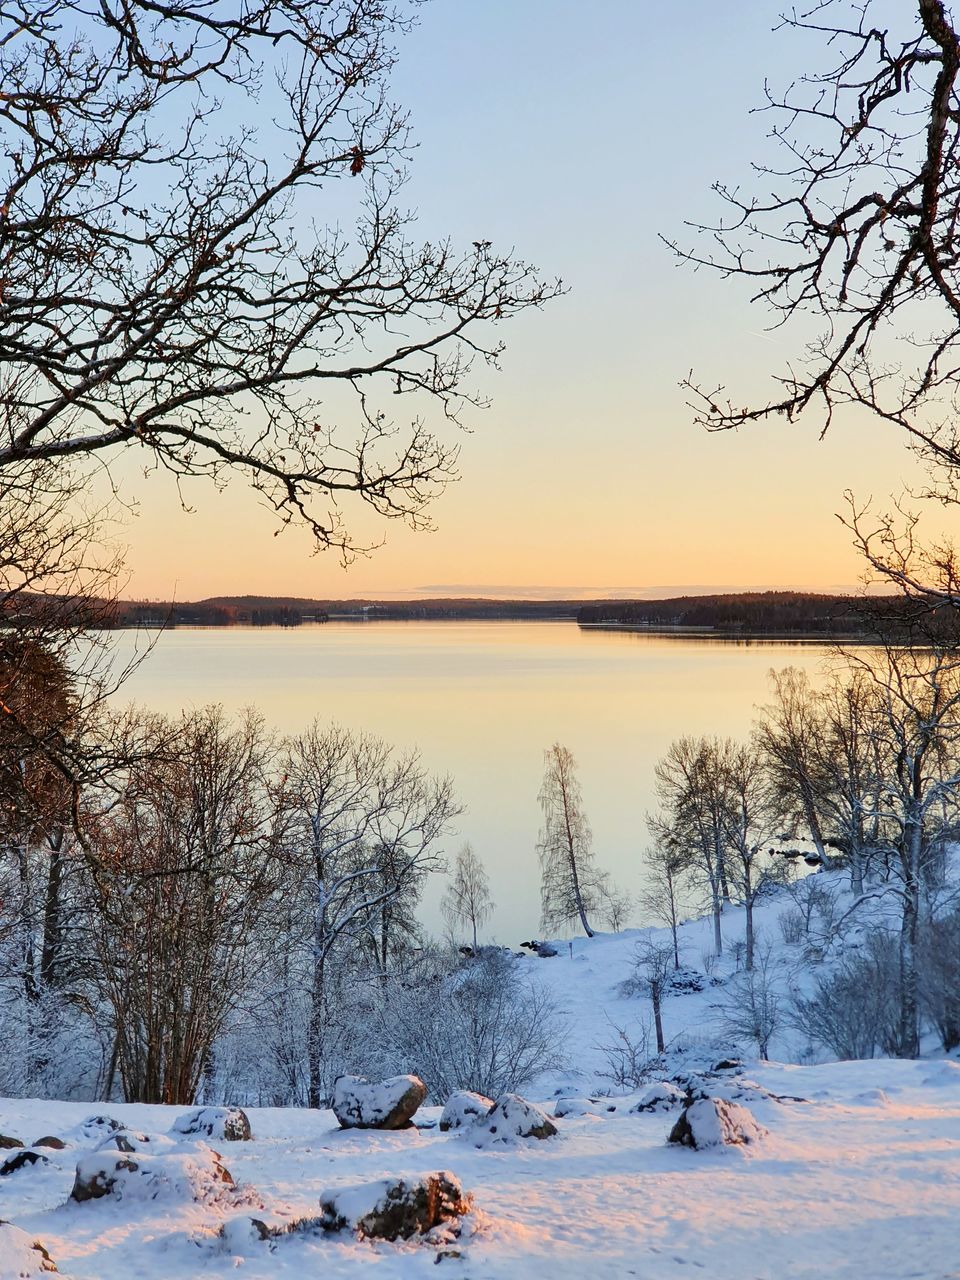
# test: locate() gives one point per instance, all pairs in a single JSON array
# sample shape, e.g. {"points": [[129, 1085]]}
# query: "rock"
{"points": [[198, 1176], [22, 1160], [238, 1233], [128, 1141], [543, 949], [463, 1108], [729, 1064], [57, 1144], [584, 1107], [223, 1124], [510, 1120], [682, 982], [23, 1256], [8, 1144], [395, 1208], [96, 1127], [662, 1096], [361, 1104], [714, 1122]]}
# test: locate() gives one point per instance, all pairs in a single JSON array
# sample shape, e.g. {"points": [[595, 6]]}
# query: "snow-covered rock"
{"points": [[392, 1209], [512, 1119], [584, 1107], [222, 1124], [96, 1127], [55, 1144], [464, 1108], [22, 1160], [9, 1144], [662, 1096], [362, 1104], [714, 1122], [239, 1234], [22, 1256], [130, 1140], [198, 1175]]}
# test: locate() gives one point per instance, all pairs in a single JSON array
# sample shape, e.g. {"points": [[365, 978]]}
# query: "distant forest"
{"points": [[764, 612], [745, 613], [267, 611]]}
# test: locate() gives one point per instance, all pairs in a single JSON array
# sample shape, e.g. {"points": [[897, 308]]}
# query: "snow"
{"points": [[662, 1096], [839, 1179], [857, 1174], [20, 1255]]}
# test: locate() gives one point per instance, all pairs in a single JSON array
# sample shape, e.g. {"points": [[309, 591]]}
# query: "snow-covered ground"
{"points": [[857, 1175], [861, 1180]]}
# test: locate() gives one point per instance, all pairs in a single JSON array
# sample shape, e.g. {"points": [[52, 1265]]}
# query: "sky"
{"points": [[577, 135]]}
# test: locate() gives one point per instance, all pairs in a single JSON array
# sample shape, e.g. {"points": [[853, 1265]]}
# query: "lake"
{"points": [[482, 701]]}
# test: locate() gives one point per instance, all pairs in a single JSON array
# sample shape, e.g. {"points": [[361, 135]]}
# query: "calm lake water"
{"points": [[482, 701]]}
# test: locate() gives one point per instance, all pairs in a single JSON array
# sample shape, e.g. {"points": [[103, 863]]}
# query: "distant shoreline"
{"points": [[768, 615]]}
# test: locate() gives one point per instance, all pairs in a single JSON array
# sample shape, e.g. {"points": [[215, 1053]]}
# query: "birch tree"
{"points": [[691, 789], [466, 900], [571, 886]]}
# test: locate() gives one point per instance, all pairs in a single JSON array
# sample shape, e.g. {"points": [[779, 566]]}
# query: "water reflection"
{"points": [[482, 700]]}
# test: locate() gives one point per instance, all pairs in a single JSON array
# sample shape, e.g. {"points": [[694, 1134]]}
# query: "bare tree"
{"points": [[750, 818], [822, 754], [466, 900], [663, 876], [187, 858], [571, 886], [167, 289], [789, 735], [616, 905], [484, 1026], [363, 826], [856, 227], [651, 977], [754, 1009], [919, 720], [691, 788]]}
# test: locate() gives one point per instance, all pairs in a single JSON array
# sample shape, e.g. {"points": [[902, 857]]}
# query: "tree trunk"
{"points": [[657, 1020], [315, 1037], [748, 962], [908, 1030], [50, 951]]}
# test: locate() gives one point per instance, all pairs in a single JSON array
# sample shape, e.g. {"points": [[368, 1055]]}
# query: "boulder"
{"points": [[395, 1208], [511, 1119], [464, 1108], [238, 1234], [391, 1104], [198, 1176], [714, 1122], [662, 1096], [128, 1141], [22, 1160], [8, 1144], [56, 1144], [96, 1127], [23, 1256], [682, 982], [584, 1107], [223, 1124]]}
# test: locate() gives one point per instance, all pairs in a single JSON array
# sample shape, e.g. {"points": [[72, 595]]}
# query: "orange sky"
{"points": [[586, 475]]}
